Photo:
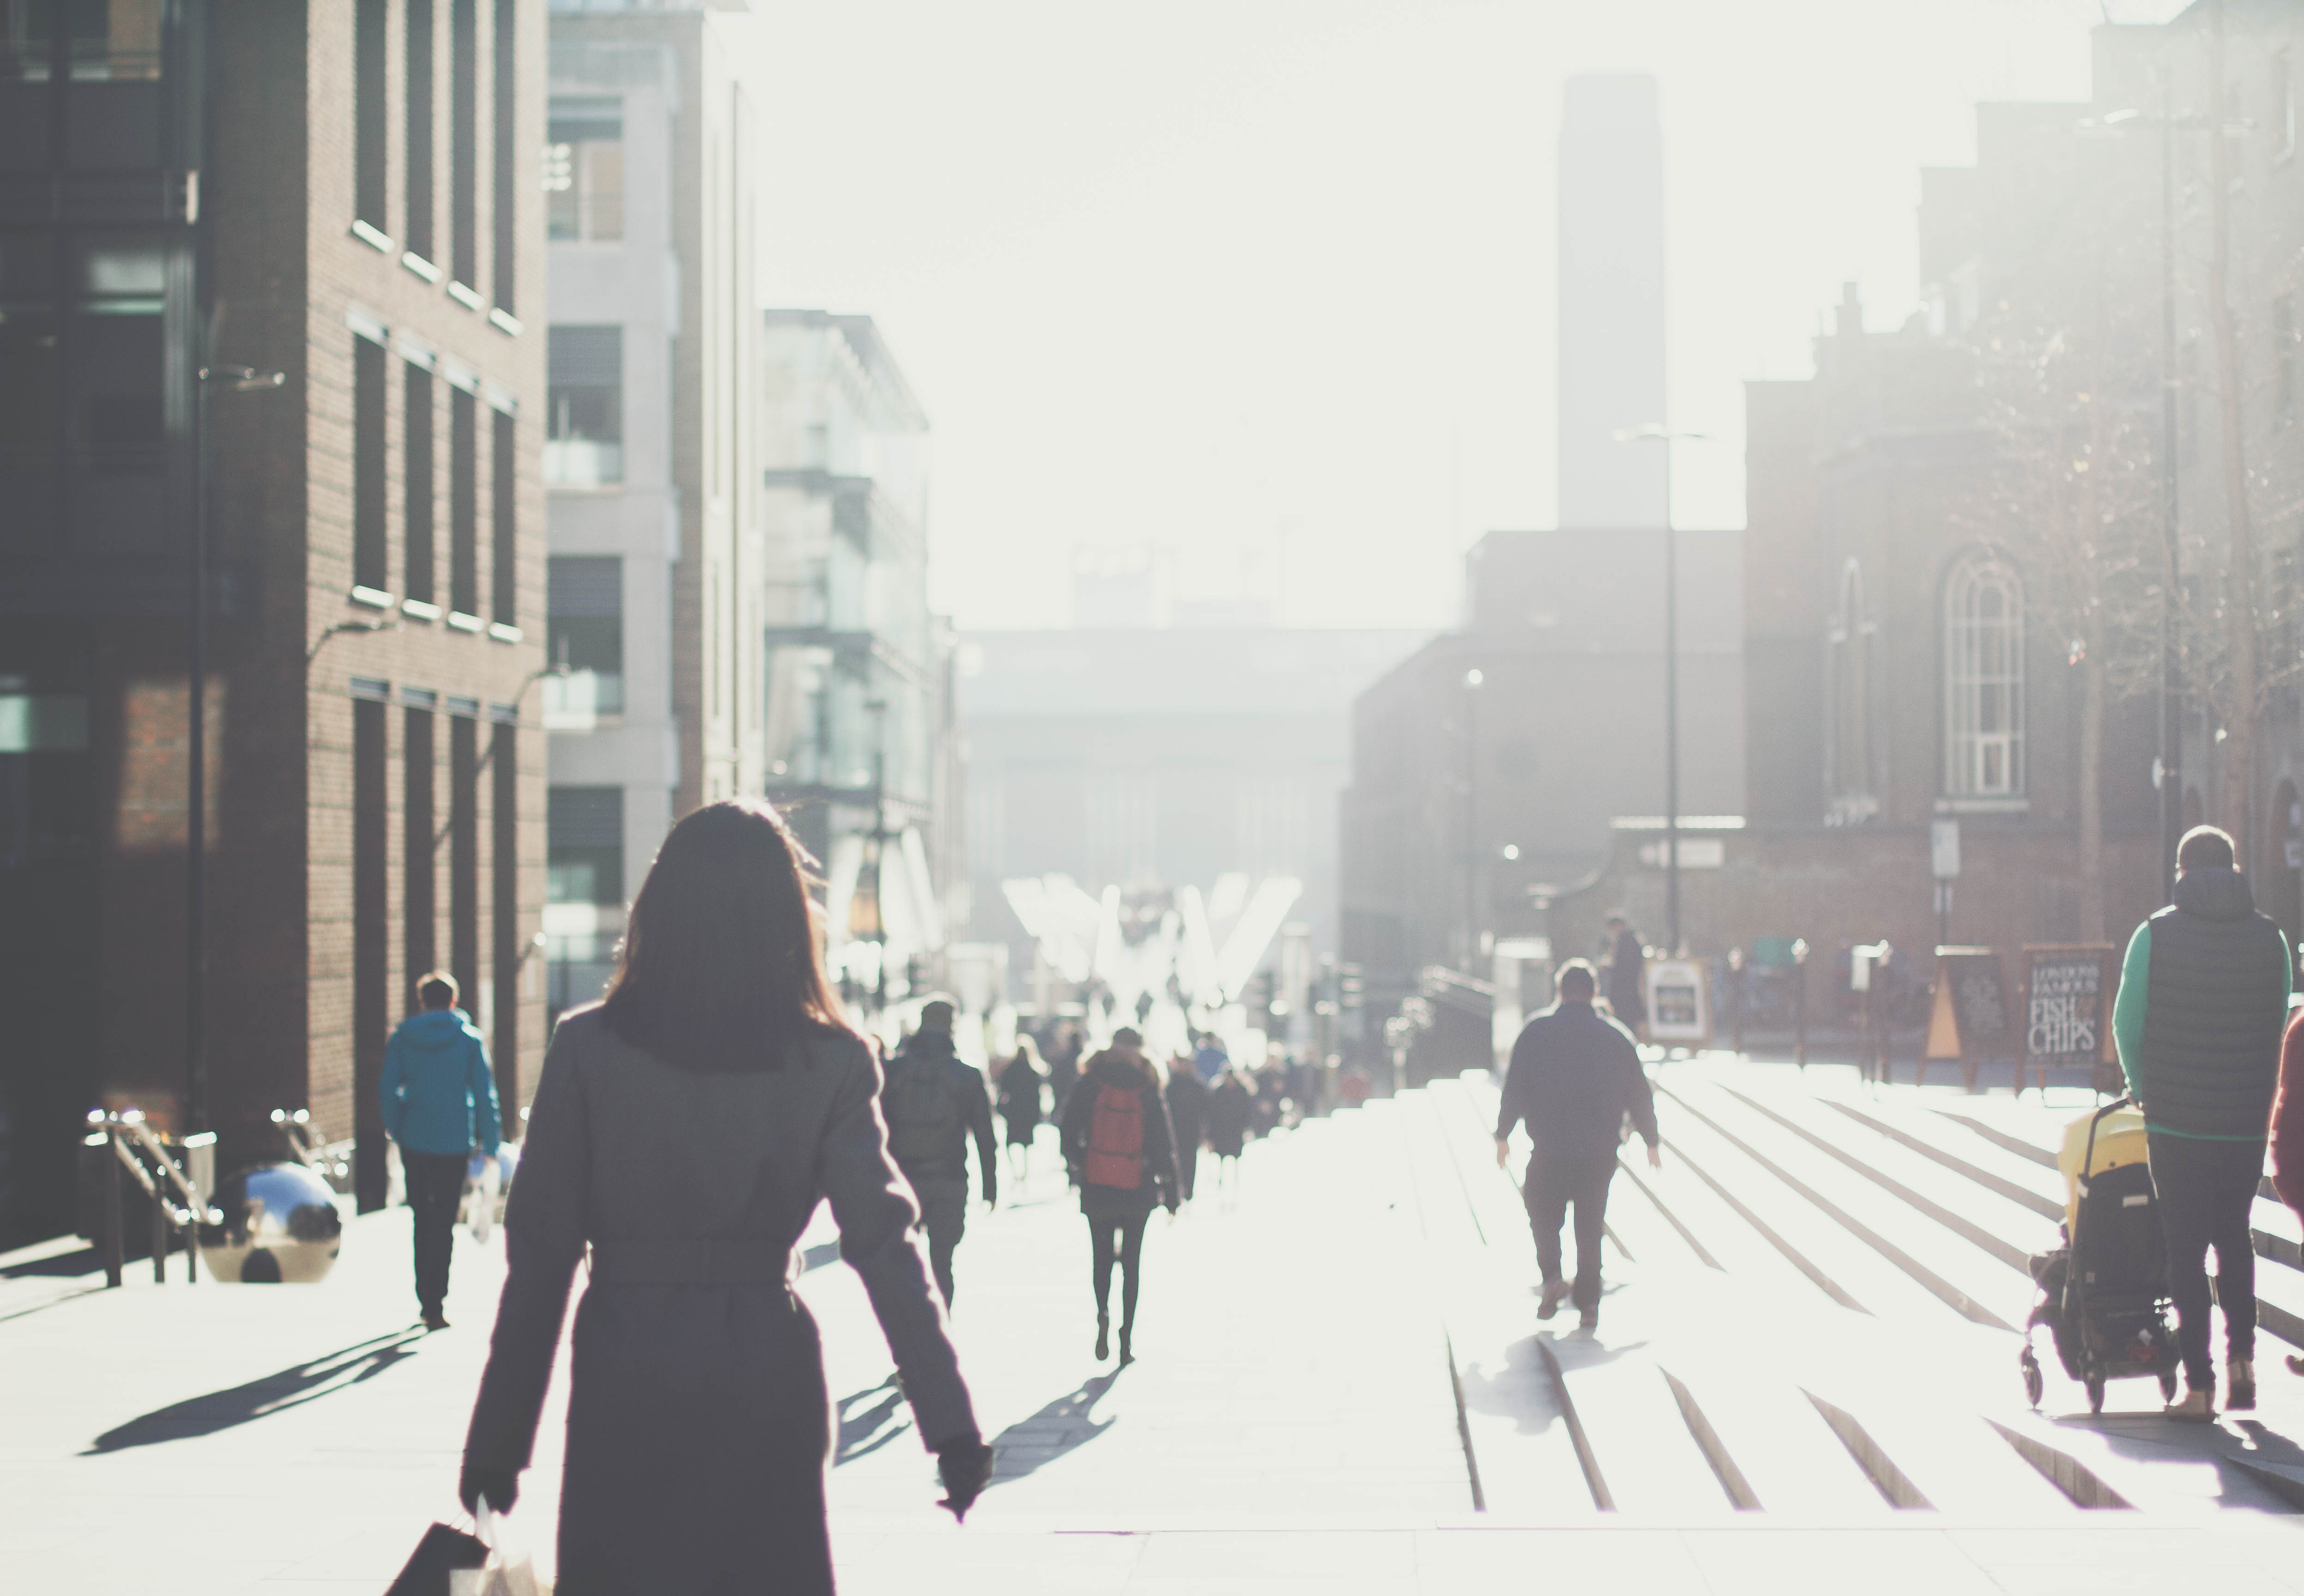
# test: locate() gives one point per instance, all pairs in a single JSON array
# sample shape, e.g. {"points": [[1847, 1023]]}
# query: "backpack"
{"points": [[1115, 1138], [922, 1103]]}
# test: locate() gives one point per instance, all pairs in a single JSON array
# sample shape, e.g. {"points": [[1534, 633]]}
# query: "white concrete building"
{"points": [[651, 460]]}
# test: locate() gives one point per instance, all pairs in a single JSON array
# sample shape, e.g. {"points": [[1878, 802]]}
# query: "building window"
{"points": [[2284, 108], [503, 519], [420, 856], [2284, 355], [584, 169], [463, 142], [369, 120], [464, 503], [505, 199], [422, 54], [1984, 680], [584, 438], [369, 545], [506, 953], [1853, 796], [417, 466], [31, 399], [587, 640], [465, 857], [114, 387], [586, 847]]}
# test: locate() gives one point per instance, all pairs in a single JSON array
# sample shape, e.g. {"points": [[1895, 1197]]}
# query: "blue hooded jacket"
{"points": [[439, 1094]]}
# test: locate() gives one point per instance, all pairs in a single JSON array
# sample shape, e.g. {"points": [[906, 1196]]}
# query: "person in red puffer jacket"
{"points": [[1122, 1157]]}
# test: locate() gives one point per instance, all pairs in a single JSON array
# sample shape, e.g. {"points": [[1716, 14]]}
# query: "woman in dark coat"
{"points": [[1122, 1157], [1020, 1082], [685, 1129]]}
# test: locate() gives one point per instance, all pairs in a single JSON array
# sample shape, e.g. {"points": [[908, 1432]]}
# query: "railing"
{"points": [[177, 1196]]}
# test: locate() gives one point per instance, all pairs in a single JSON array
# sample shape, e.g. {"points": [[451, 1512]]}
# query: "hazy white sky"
{"points": [[1269, 283]]}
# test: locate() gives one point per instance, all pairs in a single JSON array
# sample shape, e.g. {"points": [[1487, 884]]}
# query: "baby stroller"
{"points": [[2104, 1294]]}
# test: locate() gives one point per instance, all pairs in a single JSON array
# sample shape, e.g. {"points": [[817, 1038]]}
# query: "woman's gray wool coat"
{"points": [[697, 1425]]}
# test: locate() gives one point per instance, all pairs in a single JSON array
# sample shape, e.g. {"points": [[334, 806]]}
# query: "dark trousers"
{"points": [[1188, 1166], [1118, 1238], [944, 1215], [2207, 1191], [435, 1185], [1553, 1185]]}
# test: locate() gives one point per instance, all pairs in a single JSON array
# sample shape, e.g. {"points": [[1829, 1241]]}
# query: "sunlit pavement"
{"points": [[1341, 1387]]}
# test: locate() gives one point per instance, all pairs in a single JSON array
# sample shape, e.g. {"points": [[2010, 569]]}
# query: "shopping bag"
{"points": [[442, 1553], [484, 1200], [508, 1570]]}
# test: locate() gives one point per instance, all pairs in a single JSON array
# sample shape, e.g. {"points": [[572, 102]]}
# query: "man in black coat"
{"points": [[1627, 966], [1575, 1074], [934, 1102], [2203, 1003], [1188, 1115]]}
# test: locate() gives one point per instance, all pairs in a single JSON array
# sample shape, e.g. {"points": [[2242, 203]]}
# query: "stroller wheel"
{"points": [[2033, 1384], [2096, 1393], [2168, 1386]]}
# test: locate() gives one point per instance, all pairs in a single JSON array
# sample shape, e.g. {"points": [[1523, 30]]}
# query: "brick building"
{"points": [[341, 192], [1926, 630]]}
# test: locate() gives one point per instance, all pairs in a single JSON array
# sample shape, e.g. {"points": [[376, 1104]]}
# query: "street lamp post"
{"points": [[2167, 124], [1472, 681], [1657, 432]]}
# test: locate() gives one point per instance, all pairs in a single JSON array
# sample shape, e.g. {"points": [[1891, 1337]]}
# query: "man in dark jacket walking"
{"points": [[935, 1101], [1575, 1074], [439, 1103], [1188, 1117], [2203, 1002]]}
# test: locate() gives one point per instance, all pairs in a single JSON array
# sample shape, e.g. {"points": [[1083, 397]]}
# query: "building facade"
{"points": [[1164, 756], [651, 454], [300, 318], [860, 740], [1488, 768]]}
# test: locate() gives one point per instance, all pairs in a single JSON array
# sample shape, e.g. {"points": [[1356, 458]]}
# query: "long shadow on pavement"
{"points": [[2265, 1473], [870, 1420], [1062, 1426], [274, 1393], [84, 1261]]}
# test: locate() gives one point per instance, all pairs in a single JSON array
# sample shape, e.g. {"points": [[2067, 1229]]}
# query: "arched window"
{"points": [[1984, 679], [1854, 797]]}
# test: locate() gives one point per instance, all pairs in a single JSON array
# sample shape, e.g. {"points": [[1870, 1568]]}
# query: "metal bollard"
{"points": [[159, 1233], [115, 1246], [1799, 1001]]}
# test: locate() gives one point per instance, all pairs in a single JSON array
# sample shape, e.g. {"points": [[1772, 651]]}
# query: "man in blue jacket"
{"points": [[2203, 1002], [1575, 1074], [439, 1103]]}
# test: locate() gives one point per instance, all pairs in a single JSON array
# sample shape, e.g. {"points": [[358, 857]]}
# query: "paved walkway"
{"points": [[1294, 1421]]}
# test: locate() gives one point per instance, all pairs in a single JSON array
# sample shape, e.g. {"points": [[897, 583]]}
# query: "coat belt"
{"points": [[691, 1261]]}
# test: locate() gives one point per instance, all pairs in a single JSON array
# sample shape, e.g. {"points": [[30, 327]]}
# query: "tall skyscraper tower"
{"points": [[1612, 304]]}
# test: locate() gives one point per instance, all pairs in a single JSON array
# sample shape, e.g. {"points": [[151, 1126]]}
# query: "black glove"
{"points": [[500, 1486], [965, 1465]]}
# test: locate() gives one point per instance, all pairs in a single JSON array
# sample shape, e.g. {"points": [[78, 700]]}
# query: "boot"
{"points": [[2240, 1384], [1103, 1337], [1127, 1355], [1555, 1292], [2197, 1408]]}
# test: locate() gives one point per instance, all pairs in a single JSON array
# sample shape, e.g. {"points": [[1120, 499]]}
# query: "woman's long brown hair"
{"points": [[721, 970]]}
